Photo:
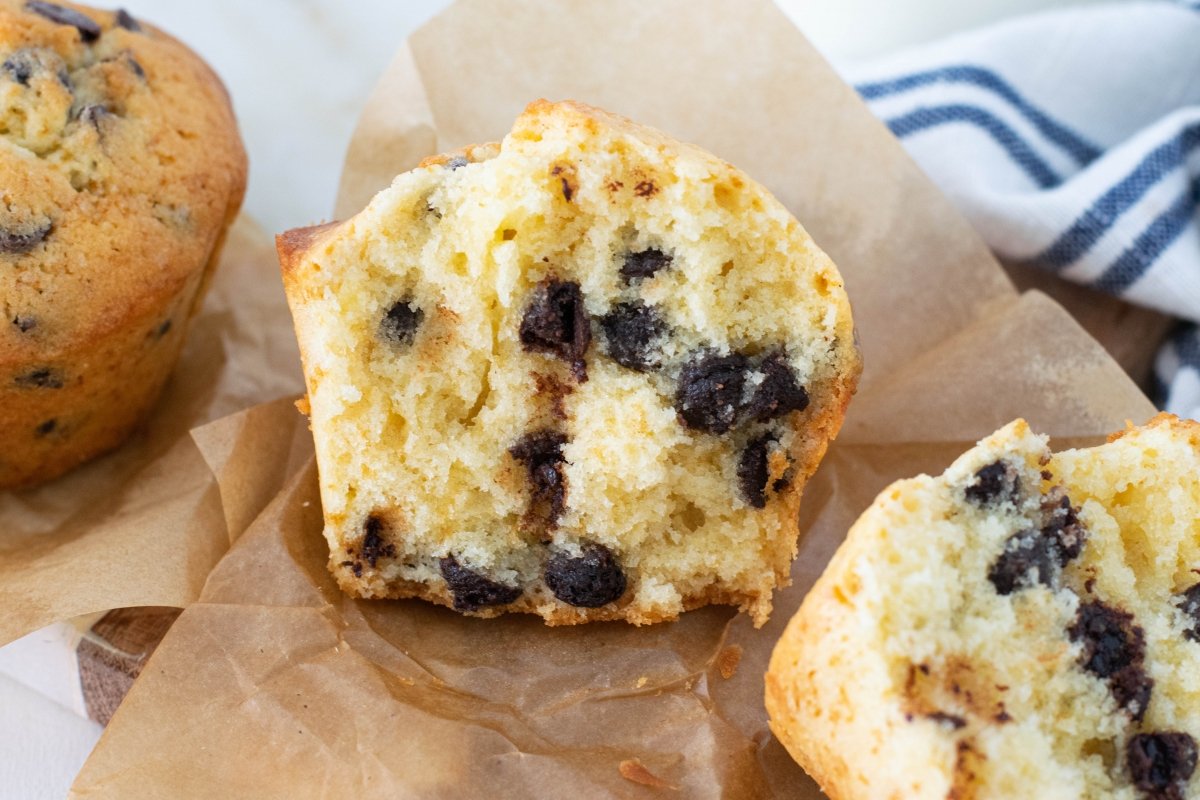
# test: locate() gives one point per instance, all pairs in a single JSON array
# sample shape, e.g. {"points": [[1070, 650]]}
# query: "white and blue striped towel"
{"points": [[1071, 140]]}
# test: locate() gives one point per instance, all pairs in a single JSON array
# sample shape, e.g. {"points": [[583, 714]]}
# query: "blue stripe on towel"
{"points": [[1021, 153], [1183, 343], [1083, 151], [1187, 346], [1096, 221], [1157, 237]]}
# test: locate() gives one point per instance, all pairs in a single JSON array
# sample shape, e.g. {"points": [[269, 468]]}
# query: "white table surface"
{"points": [[299, 71]]}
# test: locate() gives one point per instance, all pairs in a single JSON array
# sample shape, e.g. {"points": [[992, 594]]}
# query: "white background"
{"points": [[299, 71]]}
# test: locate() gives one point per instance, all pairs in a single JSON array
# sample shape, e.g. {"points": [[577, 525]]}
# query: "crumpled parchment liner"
{"points": [[143, 526], [276, 685]]}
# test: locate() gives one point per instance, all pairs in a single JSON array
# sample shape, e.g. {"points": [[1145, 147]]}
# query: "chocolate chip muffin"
{"points": [[583, 374], [1025, 625], [121, 166]]}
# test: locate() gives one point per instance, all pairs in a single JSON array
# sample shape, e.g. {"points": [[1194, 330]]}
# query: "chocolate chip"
{"points": [[1189, 604], [1033, 556], [20, 241], [590, 580], [1060, 521], [779, 393], [709, 394], [995, 483], [456, 162], [88, 29], [1114, 650], [556, 322], [135, 66], [162, 329], [125, 20], [40, 378], [1111, 641], [754, 470], [94, 114], [374, 546], [1028, 558], [24, 322], [471, 590], [46, 428], [25, 64], [355, 566], [632, 332], [644, 264], [20, 66], [541, 453], [1160, 763], [565, 175], [953, 720], [400, 324]]}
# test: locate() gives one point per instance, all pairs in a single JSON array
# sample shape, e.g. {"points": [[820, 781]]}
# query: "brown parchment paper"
{"points": [[144, 525], [275, 685]]}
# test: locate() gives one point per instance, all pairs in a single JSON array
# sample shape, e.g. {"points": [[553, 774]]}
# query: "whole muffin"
{"points": [[584, 373], [121, 168]]}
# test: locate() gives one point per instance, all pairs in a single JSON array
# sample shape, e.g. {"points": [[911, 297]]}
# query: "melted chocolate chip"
{"points": [[18, 242], [645, 189], [590, 580], [399, 325], [374, 546], [1189, 604], [473, 591], [1029, 558], [556, 322], [88, 29], [46, 428], [40, 378], [1161, 763], [541, 453], [644, 264], [709, 394], [125, 20], [456, 163], [24, 322], [778, 394], [995, 483], [632, 332], [1114, 649], [754, 470]]}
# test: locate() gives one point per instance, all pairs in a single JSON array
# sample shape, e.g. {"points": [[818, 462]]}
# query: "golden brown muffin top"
{"points": [[120, 164]]}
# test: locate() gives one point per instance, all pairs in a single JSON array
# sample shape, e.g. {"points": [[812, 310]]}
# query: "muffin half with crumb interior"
{"points": [[1025, 625], [584, 373]]}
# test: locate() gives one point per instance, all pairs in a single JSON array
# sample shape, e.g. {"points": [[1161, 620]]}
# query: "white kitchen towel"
{"points": [[1071, 140]]}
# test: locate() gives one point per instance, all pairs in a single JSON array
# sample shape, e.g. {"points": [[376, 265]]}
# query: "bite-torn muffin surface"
{"points": [[584, 373], [1025, 625]]}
